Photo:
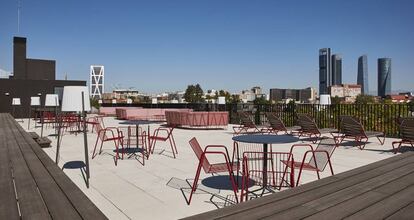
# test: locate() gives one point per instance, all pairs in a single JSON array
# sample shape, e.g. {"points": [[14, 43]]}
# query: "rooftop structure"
{"points": [[31, 77], [96, 82]]}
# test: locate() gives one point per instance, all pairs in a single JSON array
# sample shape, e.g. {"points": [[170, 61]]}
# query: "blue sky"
{"points": [[158, 46]]}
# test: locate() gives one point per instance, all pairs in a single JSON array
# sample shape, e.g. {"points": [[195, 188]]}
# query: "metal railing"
{"points": [[374, 117]]}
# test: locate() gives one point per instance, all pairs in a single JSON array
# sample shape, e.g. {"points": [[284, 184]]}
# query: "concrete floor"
{"points": [[156, 190]]}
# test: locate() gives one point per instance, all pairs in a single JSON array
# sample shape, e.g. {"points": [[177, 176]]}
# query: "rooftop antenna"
{"points": [[19, 5]]}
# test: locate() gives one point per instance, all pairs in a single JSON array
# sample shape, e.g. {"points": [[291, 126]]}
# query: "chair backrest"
{"points": [[240, 147], [350, 126], [170, 131], [199, 152], [124, 130], [275, 122], [307, 124], [321, 159], [407, 129], [278, 171], [98, 130], [245, 120], [100, 119]]}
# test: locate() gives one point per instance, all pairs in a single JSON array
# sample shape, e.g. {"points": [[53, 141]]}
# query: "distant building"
{"points": [[125, 93], [362, 78], [31, 77], [384, 77], [307, 95], [250, 95], [325, 70], [336, 69], [96, 82], [247, 96], [347, 92], [399, 98], [257, 90]]}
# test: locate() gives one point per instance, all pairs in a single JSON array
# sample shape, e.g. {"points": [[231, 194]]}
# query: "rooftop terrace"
{"points": [[156, 190]]}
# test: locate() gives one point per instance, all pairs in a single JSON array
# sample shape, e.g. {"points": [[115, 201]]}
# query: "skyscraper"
{"points": [[336, 69], [384, 76], [96, 82], [325, 69], [362, 78]]}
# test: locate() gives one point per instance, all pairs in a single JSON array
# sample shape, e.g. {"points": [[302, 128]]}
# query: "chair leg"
{"points": [[383, 139], [154, 141], [364, 143], [233, 183], [398, 147], [194, 187], [94, 149], [100, 149], [117, 153], [175, 146], [172, 147], [299, 175], [330, 166]]}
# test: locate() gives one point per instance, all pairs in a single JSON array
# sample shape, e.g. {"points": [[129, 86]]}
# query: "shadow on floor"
{"points": [[77, 164], [210, 185], [139, 122]]}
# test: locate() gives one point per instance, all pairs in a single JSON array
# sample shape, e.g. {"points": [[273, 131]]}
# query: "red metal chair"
{"points": [[246, 125], [162, 134], [320, 157], [406, 134], [266, 169], [212, 168], [276, 125], [93, 122], [109, 134], [239, 148], [308, 127], [351, 127]]}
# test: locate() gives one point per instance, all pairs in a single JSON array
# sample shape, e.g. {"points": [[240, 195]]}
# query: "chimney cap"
{"points": [[19, 40]]}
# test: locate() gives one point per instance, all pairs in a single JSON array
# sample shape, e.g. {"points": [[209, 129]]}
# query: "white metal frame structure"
{"points": [[96, 83]]}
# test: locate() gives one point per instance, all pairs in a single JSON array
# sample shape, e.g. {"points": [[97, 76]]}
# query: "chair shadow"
{"points": [[403, 149], [213, 188], [201, 128], [77, 164], [164, 152], [347, 144]]}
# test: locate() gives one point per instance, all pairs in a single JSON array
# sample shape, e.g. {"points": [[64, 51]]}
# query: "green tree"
{"points": [[261, 101], [335, 100], [95, 103], [194, 94], [235, 99], [226, 94], [364, 99]]}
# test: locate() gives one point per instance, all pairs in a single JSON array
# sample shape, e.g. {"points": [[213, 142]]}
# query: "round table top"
{"points": [[265, 139]]}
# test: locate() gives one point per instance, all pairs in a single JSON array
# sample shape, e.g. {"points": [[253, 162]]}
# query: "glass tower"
{"points": [[336, 69], [384, 77], [362, 78], [325, 69]]}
